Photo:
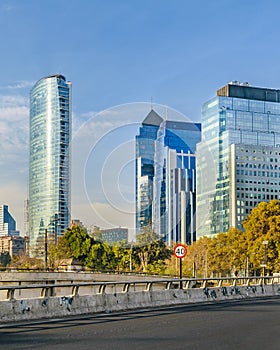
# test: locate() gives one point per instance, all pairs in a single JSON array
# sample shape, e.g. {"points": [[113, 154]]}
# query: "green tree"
{"points": [[77, 243], [124, 256], [151, 251], [59, 252], [5, 258]]}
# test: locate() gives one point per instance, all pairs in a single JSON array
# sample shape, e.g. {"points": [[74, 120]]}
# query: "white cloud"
{"points": [[14, 153], [13, 130], [21, 84]]}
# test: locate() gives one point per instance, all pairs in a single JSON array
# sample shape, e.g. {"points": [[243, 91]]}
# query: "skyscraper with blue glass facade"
{"points": [[145, 152], [238, 158], [165, 177], [175, 181], [7, 222], [49, 167]]}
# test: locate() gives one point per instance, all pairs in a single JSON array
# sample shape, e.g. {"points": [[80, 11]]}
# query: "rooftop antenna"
{"points": [[165, 116], [152, 106]]}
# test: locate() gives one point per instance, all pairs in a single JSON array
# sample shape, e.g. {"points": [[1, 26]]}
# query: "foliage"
{"points": [[77, 242], [5, 258], [151, 251], [227, 252], [23, 261], [239, 252], [263, 224], [230, 253], [147, 255]]}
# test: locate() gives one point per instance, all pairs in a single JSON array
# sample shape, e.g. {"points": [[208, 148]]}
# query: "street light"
{"points": [[130, 257], [46, 248]]}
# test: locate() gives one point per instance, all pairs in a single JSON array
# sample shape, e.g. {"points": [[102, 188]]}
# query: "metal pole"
{"points": [[130, 259], [55, 229], [46, 248], [181, 284]]}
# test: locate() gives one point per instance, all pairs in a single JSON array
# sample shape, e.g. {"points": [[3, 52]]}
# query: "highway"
{"points": [[233, 325]]}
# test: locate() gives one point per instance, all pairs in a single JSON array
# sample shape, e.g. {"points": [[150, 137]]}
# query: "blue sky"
{"points": [[123, 52]]}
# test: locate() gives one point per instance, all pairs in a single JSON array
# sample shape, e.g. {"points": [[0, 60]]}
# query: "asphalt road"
{"points": [[235, 325]]}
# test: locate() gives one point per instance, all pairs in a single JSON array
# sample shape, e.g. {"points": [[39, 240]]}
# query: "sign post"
{"points": [[180, 251]]}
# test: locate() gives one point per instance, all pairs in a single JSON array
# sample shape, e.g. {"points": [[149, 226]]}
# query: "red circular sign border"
{"points": [[180, 245]]}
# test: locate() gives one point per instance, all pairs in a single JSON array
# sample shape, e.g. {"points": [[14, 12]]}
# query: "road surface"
{"points": [[234, 325]]}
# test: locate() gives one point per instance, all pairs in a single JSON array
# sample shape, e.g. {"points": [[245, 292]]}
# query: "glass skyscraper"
{"points": [[7, 222], [145, 152], [238, 157], [49, 168], [175, 181], [165, 177]]}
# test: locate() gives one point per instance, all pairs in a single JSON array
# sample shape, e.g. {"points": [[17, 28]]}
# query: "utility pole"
{"points": [[46, 248]]}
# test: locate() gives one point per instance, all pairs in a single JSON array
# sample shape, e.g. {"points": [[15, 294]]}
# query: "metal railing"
{"points": [[45, 290]]}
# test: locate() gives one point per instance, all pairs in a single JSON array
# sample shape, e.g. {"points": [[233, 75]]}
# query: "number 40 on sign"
{"points": [[180, 251]]}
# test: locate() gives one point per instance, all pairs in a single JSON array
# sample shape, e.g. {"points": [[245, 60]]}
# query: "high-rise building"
{"points": [[165, 177], [114, 235], [49, 168], [145, 152], [238, 158], [175, 181], [7, 222]]}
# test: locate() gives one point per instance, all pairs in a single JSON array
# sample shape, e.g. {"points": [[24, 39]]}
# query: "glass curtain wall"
{"points": [[49, 169]]}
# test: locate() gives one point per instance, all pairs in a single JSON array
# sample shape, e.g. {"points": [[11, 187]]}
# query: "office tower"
{"points": [[145, 151], [49, 168], [7, 222], [238, 157], [114, 235], [175, 181]]}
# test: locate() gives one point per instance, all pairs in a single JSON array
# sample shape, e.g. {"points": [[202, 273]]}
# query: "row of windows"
{"points": [[260, 151], [252, 203], [245, 105], [256, 189], [257, 173], [257, 166], [258, 182]]}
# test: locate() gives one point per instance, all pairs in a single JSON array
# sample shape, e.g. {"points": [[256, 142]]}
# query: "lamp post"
{"points": [[130, 257], [46, 249]]}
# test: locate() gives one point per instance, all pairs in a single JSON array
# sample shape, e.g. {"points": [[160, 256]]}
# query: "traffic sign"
{"points": [[180, 251]]}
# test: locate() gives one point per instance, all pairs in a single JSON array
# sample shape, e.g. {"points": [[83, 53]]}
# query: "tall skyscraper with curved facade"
{"points": [[49, 167]]}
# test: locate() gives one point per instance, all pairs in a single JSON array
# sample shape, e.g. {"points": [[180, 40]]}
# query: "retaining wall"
{"points": [[56, 307]]}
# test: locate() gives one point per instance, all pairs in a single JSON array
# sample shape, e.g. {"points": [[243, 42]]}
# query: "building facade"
{"points": [[49, 167], [145, 152], [238, 157], [175, 181], [7, 222], [114, 235], [14, 245]]}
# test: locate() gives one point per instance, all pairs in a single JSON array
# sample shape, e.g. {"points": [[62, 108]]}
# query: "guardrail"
{"points": [[44, 290], [49, 299]]}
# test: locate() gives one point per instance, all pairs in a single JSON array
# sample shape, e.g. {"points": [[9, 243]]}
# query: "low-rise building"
{"points": [[14, 245]]}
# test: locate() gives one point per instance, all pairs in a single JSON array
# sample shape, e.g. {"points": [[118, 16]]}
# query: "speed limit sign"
{"points": [[180, 251]]}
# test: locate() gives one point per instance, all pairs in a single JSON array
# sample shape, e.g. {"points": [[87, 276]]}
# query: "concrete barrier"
{"points": [[120, 296]]}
